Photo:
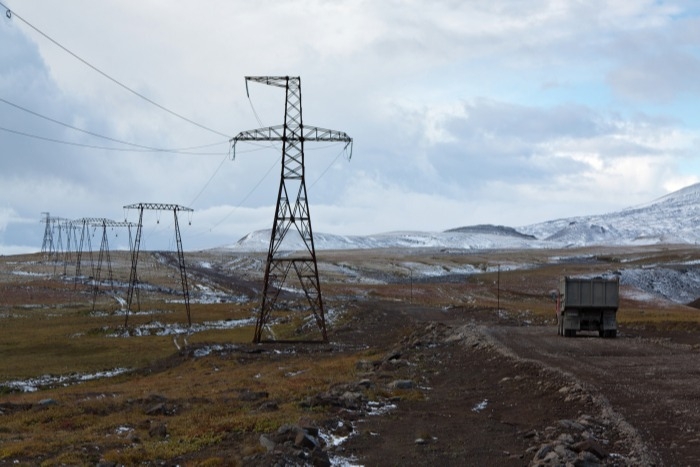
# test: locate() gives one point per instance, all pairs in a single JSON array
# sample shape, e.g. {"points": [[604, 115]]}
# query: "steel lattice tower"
{"points": [[47, 243], [94, 222], [133, 279], [292, 203]]}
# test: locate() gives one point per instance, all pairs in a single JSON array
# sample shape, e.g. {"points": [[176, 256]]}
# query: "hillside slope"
{"points": [[672, 219]]}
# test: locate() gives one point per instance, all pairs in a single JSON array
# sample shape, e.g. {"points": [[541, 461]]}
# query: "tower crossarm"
{"points": [[101, 221], [278, 81], [158, 207], [303, 133]]}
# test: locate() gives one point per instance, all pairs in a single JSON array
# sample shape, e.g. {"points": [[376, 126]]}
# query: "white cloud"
{"points": [[462, 112]]}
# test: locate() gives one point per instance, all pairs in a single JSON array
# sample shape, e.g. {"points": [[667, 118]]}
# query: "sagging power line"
{"points": [[13, 14]]}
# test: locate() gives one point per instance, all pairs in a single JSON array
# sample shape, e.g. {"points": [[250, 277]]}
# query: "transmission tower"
{"points": [[47, 243], [137, 245], [85, 225], [95, 223], [71, 244], [53, 241], [292, 203]]}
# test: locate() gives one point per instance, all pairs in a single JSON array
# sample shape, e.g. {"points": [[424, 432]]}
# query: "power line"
{"points": [[11, 13], [106, 148], [209, 181], [97, 135], [245, 198], [342, 151]]}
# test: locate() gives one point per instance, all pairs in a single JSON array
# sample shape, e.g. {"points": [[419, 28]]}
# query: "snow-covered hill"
{"points": [[674, 218]]}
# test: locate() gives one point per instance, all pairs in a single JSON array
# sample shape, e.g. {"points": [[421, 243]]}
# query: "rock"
{"points": [[311, 430], [158, 430], [586, 459], [269, 406], [543, 451], [586, 420], [251, 396], [566, 438], [364, 384], [592, 446], [319, 458], [349, 396], [46, 402], [157, 409], [304, 440], [571, 425], [365, 365], [267, 443], [402, 384], [563, 452]]}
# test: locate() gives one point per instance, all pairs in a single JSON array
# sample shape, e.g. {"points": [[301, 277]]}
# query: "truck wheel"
{"points": [[602, 333]]}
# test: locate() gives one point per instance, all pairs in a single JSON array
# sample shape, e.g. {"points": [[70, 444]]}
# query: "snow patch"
{"points": [[46, 381]]}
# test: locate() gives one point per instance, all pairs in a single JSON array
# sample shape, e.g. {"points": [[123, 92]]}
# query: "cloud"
{"points": [[462, 112], [657, 66]]}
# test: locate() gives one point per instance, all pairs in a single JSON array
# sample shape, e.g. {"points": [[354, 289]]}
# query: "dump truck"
{"points": [[587, 304]]}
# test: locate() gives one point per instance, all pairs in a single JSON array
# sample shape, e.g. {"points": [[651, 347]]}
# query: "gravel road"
{"points": [[653, 383]]}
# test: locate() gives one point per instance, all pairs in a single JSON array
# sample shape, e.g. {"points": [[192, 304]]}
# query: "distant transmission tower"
{"points": [[102, 223], [52, 245], [137, 246], [292, 203], [47, 243]]}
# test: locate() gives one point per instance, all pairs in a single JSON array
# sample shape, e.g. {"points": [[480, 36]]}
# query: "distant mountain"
{"points": [[462, 238], [674, 218]]}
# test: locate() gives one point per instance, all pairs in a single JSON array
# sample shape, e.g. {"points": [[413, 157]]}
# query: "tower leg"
{"points": [[134, 262], [181, 264]]}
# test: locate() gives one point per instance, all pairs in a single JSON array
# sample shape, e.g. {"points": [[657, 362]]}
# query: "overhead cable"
{"points": [[12, 14], [97, 135], [105, 148]]}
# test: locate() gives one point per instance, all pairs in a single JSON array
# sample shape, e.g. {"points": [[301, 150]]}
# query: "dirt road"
{"points": [[653, 383]]}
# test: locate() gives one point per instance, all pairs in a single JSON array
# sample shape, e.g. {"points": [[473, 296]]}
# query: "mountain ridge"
{"points": [[671, 219]]}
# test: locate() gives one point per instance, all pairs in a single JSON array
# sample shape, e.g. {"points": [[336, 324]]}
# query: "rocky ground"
{"points": [[468, 399]]}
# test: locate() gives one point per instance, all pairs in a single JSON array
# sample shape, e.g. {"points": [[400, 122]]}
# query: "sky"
{"points": [[461, 112]]}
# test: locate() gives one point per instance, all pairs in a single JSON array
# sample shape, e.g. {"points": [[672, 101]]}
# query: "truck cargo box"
{"points": [[588, 304], [590, 293]]}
